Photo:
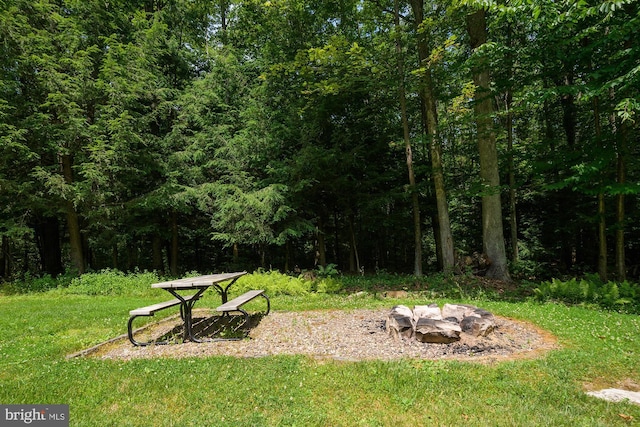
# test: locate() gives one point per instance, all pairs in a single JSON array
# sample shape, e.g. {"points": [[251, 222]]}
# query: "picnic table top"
{"points": [[199, 281]]}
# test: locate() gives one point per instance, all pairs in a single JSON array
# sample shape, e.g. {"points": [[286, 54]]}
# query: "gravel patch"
{"points": [[349, 335]]}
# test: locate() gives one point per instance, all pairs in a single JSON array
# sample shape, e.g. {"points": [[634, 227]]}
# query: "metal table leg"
{"points": [[186, 310]]}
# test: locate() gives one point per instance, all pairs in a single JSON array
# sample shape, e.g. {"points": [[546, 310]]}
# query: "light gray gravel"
{"points": [[348, 335]]}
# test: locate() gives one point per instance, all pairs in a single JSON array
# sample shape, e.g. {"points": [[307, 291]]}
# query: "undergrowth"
{"points": [[590, 290], [587, 291]]}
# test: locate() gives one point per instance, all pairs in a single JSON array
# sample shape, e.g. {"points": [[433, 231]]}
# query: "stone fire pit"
{"points": [[430, 324]]}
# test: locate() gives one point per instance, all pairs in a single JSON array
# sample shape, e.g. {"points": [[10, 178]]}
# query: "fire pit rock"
{"points": [[430, 324]]}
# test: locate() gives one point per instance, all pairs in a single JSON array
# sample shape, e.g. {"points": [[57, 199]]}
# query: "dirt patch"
{"points": [[602, 383], [338, 334]]}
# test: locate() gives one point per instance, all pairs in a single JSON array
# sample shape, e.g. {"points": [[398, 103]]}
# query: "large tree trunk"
{"points": [[492, 232], [444, 237], [415, 203], [73, 220]]}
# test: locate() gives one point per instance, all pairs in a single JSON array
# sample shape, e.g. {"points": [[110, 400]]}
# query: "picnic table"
{"points": [[182, 290]]}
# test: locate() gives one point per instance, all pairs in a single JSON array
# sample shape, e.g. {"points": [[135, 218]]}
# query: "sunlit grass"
{"points": [[38, 332]]}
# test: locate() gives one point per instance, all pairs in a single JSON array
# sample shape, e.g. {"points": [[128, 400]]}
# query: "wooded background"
{"points": [[181, 135]]}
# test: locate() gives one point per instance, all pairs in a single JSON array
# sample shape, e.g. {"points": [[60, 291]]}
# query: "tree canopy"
{"points": [[179, 135]]}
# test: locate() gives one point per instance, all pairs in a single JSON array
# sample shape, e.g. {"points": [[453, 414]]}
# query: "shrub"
{"points": [[273, 282], [329, 270], [29, 283], [328, 285], [112, 282], [591, 290]]}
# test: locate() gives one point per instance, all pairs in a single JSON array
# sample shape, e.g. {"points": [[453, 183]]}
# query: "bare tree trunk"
{"points": [[492, 233], [415, 203], [73, 221]]}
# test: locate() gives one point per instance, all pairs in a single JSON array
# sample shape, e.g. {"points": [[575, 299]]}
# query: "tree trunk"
{"points": [[73, 220], [492, 233], [415, 202], [444, 236]]}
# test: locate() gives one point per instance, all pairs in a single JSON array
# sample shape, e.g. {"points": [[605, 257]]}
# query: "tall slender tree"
{"points": [[492, 230], [415, 202], [444, 237]]}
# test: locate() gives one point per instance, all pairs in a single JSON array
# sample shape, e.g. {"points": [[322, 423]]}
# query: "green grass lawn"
{"points": [[38, 331]]}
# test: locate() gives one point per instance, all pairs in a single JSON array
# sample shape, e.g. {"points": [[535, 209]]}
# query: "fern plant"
{"points": [[590, 290]]}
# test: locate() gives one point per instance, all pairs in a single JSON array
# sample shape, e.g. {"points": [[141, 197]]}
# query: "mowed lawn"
{"points": [[599, 349]]}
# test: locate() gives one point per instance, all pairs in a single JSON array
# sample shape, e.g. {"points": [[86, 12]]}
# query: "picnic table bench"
{"points": [[150, 310], [186, 302], [236, 303]]}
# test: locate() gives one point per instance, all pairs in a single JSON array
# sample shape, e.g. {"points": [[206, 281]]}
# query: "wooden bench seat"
{"points": [[236, 303], [150, 310]]}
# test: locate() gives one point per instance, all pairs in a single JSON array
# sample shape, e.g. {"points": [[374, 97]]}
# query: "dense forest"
{"points": [[373, 135]]}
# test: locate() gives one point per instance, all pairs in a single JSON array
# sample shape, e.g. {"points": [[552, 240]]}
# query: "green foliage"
{"points": [[260, 135], [328, 285], [591, 290], [112, 282], [31, 284], [276, 283], [329, 270], [273, 282]]}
